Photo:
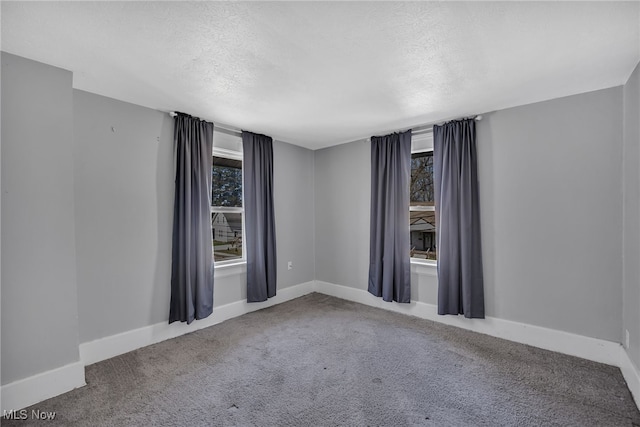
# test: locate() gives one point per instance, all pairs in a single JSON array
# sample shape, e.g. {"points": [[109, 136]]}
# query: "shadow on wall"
{"points": [[486, 187], [164, 195]]}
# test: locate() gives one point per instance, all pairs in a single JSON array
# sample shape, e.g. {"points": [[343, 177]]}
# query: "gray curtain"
{"points": [[460, 282], [389, 264], [260, 228], [192, 260]]}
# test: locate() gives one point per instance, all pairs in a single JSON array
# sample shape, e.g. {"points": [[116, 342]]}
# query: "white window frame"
{"points": [[422, 144], [234, 155]]}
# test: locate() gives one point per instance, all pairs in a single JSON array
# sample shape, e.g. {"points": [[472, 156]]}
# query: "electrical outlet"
{"points": [[626, 339], [290, 265]]}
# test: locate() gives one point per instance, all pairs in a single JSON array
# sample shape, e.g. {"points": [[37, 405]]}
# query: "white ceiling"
{"points": [[318, 74]]}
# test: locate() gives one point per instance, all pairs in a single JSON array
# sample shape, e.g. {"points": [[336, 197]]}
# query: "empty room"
{"points": [[320, 213]]}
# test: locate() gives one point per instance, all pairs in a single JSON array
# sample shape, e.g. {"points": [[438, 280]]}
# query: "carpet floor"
{"points": [[323, 361]]}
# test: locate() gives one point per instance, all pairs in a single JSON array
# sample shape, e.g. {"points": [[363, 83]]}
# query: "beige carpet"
{"points": [[322, 361]]}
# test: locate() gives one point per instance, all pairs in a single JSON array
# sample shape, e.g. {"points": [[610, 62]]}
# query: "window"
{"points": [[227, 212], [422, 211]]}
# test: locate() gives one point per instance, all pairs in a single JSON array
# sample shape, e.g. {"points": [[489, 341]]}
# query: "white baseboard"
{"points": [[549, 339], [631, 374], [114, 345], [34, 389]]}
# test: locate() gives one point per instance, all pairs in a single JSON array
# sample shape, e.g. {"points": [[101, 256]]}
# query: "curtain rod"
{"points": [[422, 129], [418, 130], [229, 130], [429, 128]]}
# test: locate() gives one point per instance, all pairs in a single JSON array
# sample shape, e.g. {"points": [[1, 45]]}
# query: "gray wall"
{"points": [[39, 303], [551, 208], [124, 212], [551, 201], [293, 177], [342, 193], [631, 215], [124, 206]]}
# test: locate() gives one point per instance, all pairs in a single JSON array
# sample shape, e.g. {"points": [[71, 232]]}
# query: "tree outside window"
{"points": [[227, 213], [422, 215]]}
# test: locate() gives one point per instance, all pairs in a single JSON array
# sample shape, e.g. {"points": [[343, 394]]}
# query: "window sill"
{"points": [[426, 267], [232, 269]]}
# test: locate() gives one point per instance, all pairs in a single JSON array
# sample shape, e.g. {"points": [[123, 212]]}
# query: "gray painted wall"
{"points": [[342, 194], [0, 239], [551, 208], [124, 213], [124, 208], [551, 202], [39, 303], [631, 216], [293, 177]]}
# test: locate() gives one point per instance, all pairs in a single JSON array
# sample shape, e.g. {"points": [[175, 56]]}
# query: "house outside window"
{"points": [[422, 212], [227, 212]]}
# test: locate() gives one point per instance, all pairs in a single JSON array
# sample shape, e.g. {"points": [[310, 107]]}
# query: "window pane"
{"points": [[226, 177], [421, 192], [423, 234], [227, 235]]}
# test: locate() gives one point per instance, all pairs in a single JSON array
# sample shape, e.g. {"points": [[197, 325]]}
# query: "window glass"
{"points": [[226, 189], [422, 215], [227, 232], [421, 192], [422, 225], [227, 213]]}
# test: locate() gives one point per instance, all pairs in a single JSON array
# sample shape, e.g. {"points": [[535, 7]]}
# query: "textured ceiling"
{"points": [[321, 73]]}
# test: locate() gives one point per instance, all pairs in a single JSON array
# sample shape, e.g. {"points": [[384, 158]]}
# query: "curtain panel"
{"points": [[192, 258], [460, 280], [389, 260], [260, 228]]}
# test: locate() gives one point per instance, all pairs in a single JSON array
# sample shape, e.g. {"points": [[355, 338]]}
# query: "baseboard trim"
{"points": [[631, 374], [114, 345], [28, 391], [549, 339]]}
